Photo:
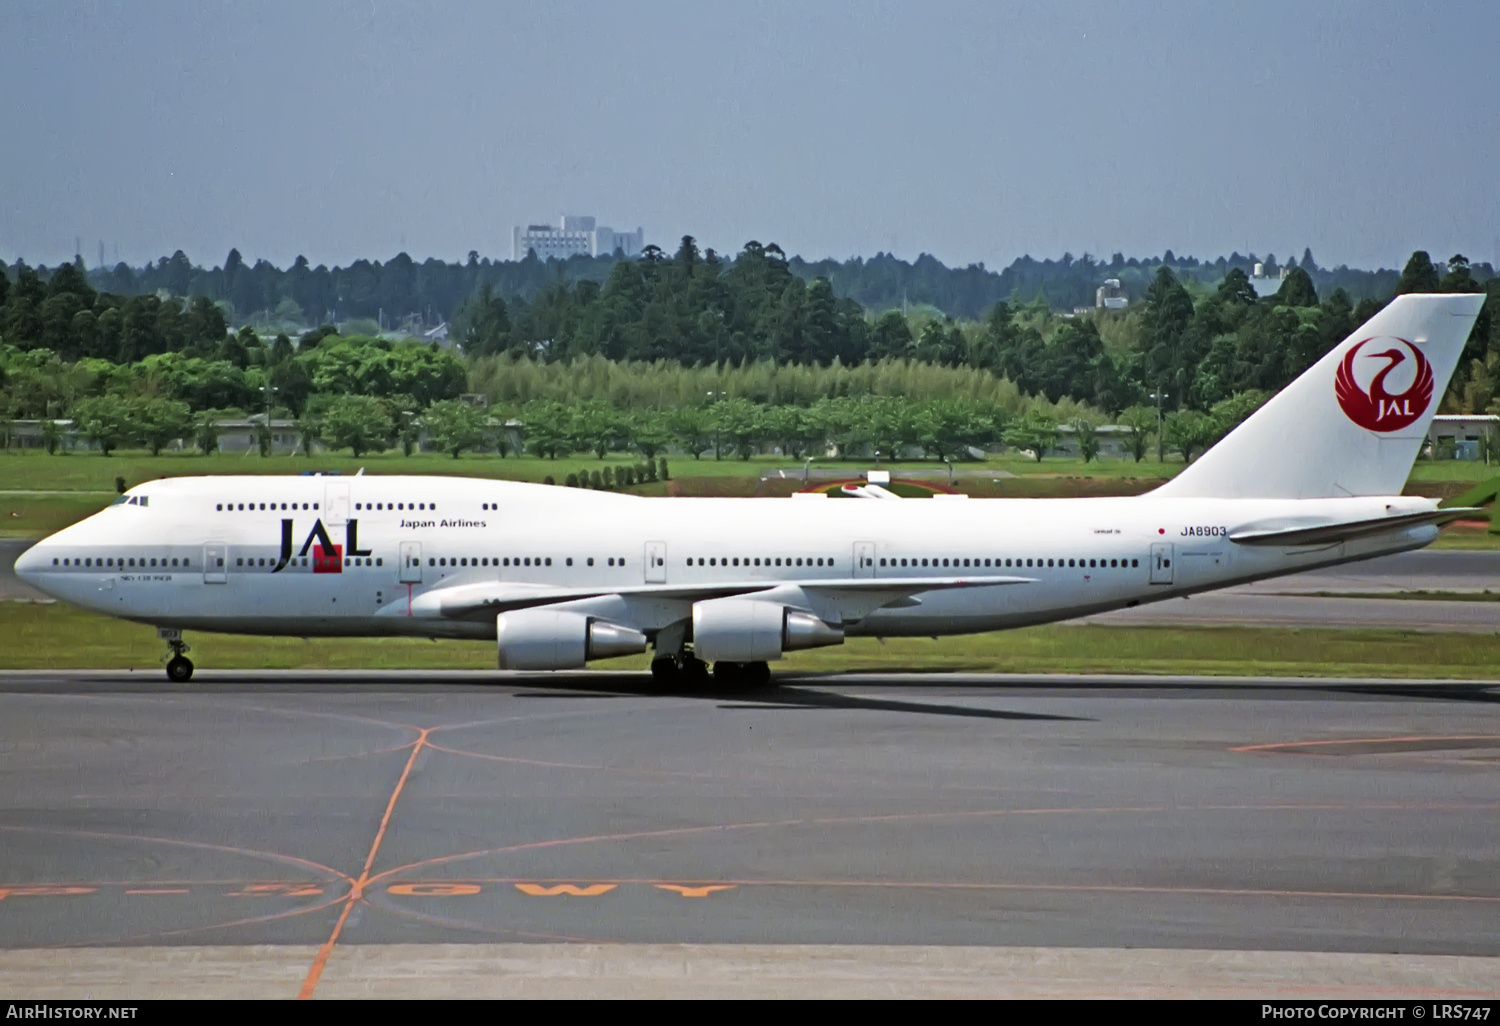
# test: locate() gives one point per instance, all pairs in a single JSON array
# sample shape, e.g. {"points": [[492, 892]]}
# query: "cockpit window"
{"points": [[132, 500]]}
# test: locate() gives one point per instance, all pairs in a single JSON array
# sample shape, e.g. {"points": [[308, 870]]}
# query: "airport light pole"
{"points": [[1159, 395], [269, 390]]}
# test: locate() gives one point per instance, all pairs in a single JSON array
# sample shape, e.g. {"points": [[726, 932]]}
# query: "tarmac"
{"points": [[485, 834]]}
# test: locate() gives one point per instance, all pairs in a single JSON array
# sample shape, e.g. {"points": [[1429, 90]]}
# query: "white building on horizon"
{"points": [[573, 236], [1111, 295]]}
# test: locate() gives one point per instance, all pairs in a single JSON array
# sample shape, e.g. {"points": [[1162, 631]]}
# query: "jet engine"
{"points": [[736, 630], [553, 639]]}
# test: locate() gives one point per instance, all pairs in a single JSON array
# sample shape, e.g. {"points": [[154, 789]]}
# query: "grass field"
{"points": [[55, 636]]}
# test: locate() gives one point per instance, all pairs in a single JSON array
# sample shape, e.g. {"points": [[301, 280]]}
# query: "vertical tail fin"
{"points": [[1353, 423]]}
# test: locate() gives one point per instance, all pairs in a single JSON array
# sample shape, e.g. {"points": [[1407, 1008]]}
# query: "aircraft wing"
{"points": [[490, 598], [1321, 534]]}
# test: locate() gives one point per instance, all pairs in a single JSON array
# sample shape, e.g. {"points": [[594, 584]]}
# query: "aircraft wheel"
{"points": [[693, 671], [664, 670], [728, 673], [757, 675], [179, 669]]}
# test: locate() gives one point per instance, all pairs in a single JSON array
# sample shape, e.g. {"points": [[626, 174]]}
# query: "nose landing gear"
{"points": [[179, 666]]}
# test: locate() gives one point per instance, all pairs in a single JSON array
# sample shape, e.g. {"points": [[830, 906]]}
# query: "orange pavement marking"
{"points": [[1361, 741], [43, 892], [434, 890], [695, 892], [265, 890], [315, 972], [160, 890], [539, 891], [912, 817]]}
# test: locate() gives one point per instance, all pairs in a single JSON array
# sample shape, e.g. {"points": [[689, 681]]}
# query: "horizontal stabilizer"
{"points": [[1327, 534]]}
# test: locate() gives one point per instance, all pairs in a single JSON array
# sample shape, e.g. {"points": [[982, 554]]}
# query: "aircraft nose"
{"points": [[29, 564]]}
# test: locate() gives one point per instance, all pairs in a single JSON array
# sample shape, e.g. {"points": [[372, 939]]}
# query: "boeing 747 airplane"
{"points": [[561, 576]]}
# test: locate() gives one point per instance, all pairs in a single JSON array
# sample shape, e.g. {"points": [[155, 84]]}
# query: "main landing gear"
{"points": [[179, 666], [673, 671], [689, 671]]}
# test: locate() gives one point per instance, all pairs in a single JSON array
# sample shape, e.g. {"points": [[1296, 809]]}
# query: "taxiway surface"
{"points": [[331, 815]]}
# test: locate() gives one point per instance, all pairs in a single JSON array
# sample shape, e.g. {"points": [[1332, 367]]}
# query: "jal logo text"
{"points": [[1368, 376], [327, 558]]}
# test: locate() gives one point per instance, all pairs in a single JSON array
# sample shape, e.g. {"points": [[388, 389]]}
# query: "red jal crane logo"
{"points": [[1374, 406]]}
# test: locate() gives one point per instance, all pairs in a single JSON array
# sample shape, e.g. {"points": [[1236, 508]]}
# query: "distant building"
{"points": [[1111, 295], [573, 236], [243, 435], [1113, 439], [1263, 284], [1460, 436]]}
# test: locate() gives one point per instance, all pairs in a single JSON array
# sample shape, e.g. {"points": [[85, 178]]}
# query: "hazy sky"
{"points": [[975, 132]]}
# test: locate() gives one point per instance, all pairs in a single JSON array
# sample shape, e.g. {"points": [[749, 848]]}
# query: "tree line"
{"points": [[434, 290], [690, 331]]}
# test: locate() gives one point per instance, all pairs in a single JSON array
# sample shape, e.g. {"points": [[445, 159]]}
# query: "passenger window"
{"points": [[570, 561], [549, 560], [591, 561], [379, 561]]}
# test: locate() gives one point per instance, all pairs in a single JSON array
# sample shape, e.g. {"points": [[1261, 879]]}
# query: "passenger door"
{"points": [[1161, 563], [411, 563], [864, 559], [656, 562], [215, 563], [336, 504]]}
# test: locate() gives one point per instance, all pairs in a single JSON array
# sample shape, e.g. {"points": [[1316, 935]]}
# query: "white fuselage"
{"points": [[369, 556]]}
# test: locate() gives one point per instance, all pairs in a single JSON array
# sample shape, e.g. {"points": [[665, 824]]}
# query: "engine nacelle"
{"points": [[553, 639], [737, 630]]}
